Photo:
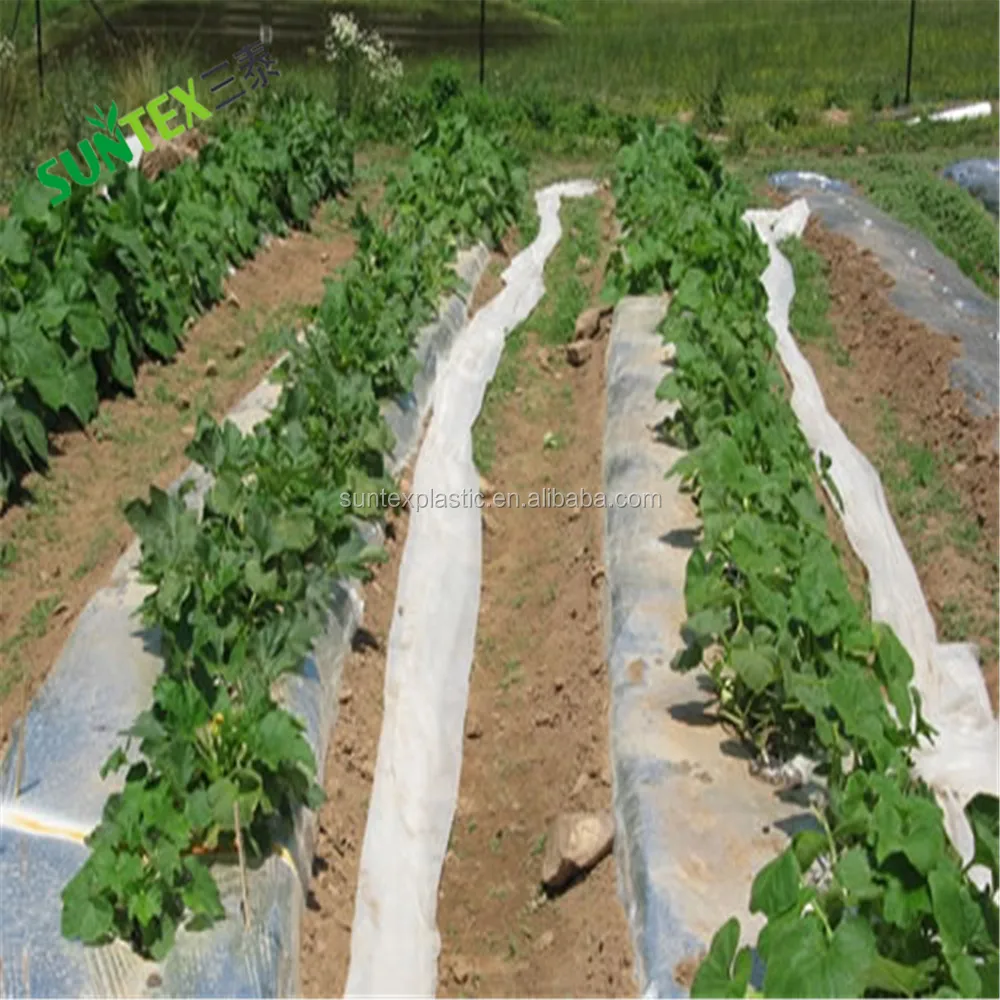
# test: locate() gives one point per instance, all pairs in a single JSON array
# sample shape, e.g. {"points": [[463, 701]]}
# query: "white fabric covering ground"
{"points": [[394, 941]]}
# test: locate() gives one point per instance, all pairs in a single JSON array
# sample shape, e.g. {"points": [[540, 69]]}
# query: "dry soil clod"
{"points": [[578, 353]]}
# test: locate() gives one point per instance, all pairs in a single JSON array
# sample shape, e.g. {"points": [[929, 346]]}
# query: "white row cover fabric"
{"points": [[962, 761], [395, 942]]}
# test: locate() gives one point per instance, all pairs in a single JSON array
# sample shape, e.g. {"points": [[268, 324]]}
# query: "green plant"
{"points": [[874, 900], [242, 590], [91, 288]]}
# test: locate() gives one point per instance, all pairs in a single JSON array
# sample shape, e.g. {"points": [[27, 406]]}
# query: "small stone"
{"points": [[154, 981], [545, 940], [588, 324], [575, 842], [236, 348], [543, 719], [598, 574], [583, 264], [473, 728], [558, 684], [211, 369], [486, 487], [581, 784], [670, 354], [182, 403], [345, 696], [232, 300], [324, 257]]}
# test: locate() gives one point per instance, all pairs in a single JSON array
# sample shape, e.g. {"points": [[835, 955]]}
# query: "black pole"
{"points": [[909, 52], [38, 46], [107, 24], [482, 43]]}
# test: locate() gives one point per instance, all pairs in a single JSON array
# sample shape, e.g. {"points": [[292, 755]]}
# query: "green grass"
{"points": [[809, 316], [553, 320], [931, 515], [674, 53]]}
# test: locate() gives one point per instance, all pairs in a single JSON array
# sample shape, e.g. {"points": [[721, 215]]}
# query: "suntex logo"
{"points": [[110, 145]]}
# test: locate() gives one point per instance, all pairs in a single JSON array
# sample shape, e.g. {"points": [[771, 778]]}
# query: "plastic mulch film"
{"points": [[928, 286], [693, 826]]}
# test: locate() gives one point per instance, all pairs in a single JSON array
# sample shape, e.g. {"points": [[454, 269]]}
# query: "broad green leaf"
{"points": [[983, 814], [803, 963], [897, 979], [855, 875], [14, 243], [88, 328], [85, 917], [121, 364], [755, 667], [960, 921], [80, 388], [776, 887], [807, 846], [724, 972], [290, 532]]}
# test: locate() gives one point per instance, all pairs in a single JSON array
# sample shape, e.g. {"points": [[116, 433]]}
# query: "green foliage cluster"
{"points": [[91, 287], [242, 591], [873, 900], [530, 118]]}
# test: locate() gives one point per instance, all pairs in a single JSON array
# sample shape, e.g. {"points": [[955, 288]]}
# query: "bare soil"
{"points": [[899, 372], [537, 723], [70, 534]]}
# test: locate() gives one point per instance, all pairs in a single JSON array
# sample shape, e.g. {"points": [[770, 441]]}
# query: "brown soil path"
{"points": [[64, 542], [894, 400], [537, 724]]}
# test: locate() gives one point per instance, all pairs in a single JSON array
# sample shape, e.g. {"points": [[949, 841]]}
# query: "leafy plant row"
{"points": [[91, 287], [242, 591], [873, 900]]}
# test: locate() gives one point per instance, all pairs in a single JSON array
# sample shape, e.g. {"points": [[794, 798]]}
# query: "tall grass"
{"points": [[669, 54], [35, 127]]}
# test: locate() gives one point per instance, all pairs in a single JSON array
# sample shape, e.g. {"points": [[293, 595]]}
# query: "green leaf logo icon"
{"points": [[110, 126]]}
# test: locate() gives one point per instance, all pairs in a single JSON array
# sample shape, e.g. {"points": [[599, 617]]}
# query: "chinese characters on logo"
{"points": [[255, 63]]}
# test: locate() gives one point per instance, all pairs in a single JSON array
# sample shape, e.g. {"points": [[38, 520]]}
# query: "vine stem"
{"points": [[243, 865]]}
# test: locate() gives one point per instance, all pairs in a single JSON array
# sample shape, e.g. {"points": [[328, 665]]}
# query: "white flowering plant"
{"points": [[8, 80], [367, 65]]}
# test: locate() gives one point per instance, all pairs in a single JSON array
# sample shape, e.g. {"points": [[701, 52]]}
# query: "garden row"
{"points": [[242, 590], [92, 287], [873, 899]]}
